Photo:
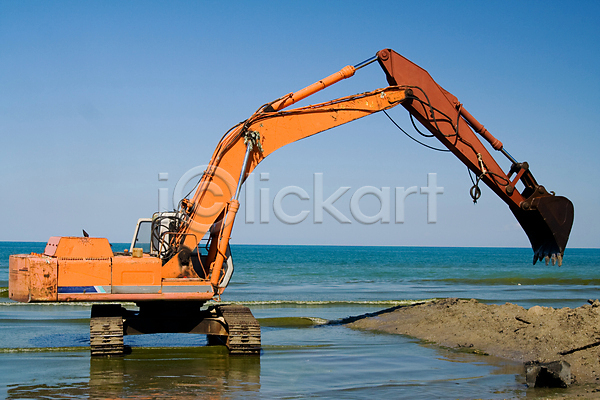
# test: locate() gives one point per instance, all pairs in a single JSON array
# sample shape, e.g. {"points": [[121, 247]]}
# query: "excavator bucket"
{"points": [[547, 221]]}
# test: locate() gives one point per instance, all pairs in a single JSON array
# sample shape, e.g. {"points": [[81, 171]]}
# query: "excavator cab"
{"points": [[156, 237], [153, 235]]}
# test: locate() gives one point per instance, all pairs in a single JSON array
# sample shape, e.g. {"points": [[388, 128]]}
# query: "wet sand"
{"points": [[509, 331]]}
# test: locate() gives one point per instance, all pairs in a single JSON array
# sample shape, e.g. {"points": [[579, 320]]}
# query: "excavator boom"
{"points": [[245, 147]]}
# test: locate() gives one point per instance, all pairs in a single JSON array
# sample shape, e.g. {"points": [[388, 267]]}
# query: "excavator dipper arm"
{"points": [[545, 218]]}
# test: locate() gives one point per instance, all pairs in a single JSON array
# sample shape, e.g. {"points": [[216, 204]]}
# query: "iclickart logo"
{"points": [[315, 202]]}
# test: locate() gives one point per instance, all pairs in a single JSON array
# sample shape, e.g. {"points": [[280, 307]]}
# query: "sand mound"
{"points": [[510, 331]]}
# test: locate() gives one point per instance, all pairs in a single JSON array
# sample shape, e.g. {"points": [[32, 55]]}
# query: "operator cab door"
{"points": [[142, 236]]}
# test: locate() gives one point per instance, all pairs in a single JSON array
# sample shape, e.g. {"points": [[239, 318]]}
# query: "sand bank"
{"points": [[510, 331]]}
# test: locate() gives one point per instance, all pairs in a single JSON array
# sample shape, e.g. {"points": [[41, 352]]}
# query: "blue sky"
{"points": [[97, 98]]}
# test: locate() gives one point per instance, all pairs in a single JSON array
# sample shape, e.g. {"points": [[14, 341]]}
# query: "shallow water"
{"points": [[325, 361], [294, 290]]}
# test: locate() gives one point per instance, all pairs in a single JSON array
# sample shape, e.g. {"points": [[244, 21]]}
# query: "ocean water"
{"points": [[292, 290]]}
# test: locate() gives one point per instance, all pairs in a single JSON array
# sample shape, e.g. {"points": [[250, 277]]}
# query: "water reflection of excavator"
{"points": [[185, 259]]}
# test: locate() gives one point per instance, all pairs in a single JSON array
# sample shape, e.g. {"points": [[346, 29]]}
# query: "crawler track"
{"points": [[231, 325], [243, 330], [106, 331]]}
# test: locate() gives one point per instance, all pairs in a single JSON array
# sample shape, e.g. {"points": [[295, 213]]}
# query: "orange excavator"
{"points": [[185, 260]]}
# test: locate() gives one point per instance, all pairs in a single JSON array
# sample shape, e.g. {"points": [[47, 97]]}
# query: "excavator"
{"points": [[180, 260]]}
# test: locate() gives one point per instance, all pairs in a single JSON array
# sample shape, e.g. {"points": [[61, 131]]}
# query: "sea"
{"points": [[299, 294]]}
